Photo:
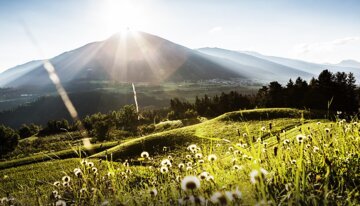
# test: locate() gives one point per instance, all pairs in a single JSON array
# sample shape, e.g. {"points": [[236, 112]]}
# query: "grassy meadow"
{"points": [[251, 157]]}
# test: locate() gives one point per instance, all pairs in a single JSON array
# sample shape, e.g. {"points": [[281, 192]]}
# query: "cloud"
{"points": [[324, 46], [215, 29]]}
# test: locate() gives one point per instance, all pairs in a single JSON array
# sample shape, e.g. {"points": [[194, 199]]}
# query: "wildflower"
{"points": [[153, 192], [189, 164], [218, 145], [90, 164], [212, 157], [66, 184], [83, 190], [201, 161], [94, 169], [66, 179], [231, 149], [77, 172], [164, 169], [57, 183], [203, 175], [245, 134], [60, 203], [293, 162], [307, 146], [126, 163], [178, 178], [83, 162], [210, 178], [263, 129], [218, 198], [236, 152], [4, 200], [237, 194], [145, 155], [318, 123], [192, 148], [76, 169], [198, 155], [190, 183], [327, 130], [166, 162], [316, 149], [181, 166], [188, 168], [300, 138], [237, 167], [254, 175], [233, 160], [188, 156], [55, 193]]}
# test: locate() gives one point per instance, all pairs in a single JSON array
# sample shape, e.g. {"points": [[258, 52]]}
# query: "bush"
{"points": [[8, 140], [28, 130]]}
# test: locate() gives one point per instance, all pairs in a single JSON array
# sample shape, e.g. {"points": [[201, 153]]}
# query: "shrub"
{"points": [[8, 140]]}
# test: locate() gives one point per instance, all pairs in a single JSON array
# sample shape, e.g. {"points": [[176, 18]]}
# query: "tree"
{"points": [[8, 140]]}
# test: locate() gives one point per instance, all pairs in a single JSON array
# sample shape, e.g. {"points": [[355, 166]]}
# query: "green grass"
{"points": [[321, 170], [63, 154], [223, 127]]}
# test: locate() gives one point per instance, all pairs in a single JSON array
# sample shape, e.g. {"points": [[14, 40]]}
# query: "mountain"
{"points": [[130, 57], [349, 63], [313, 68], [254, 67]]}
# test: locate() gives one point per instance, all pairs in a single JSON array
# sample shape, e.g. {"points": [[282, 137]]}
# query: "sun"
{"points": [[122, 15]]}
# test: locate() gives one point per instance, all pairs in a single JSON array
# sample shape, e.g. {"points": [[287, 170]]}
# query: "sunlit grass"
{"points": [[293, 161]]}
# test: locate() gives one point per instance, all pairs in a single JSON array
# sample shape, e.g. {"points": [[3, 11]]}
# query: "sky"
{"points": [[321, 31]]}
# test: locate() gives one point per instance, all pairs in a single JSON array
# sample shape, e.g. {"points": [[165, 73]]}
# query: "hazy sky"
{"points": [[318, 31]]}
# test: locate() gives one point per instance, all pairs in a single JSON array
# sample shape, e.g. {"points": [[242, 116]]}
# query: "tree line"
{"points": [[327, 92]]}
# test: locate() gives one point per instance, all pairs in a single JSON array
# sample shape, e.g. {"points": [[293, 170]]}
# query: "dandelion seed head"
{"points": [[166, 162], [218, 198], [145, 155], [57, 183], [300, 138], [198, 156], [316, 149], [212, 157], [190, 183], [203, 175], [153, 192], [90, 164], [210, 178], [66, 179], [164, 169], [237, 167], [60, 203], [286, 142]]}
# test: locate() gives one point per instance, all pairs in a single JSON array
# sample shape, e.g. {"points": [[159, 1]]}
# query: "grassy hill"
{"points": [[269, 156]]}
